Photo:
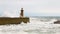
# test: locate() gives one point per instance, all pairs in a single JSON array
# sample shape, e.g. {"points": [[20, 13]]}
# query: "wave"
{"points": [[36, 26]]}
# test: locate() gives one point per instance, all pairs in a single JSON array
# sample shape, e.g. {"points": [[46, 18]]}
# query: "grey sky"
{"points": [[31, 7]]}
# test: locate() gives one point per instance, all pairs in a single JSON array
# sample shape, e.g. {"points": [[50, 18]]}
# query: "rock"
{"points": [[57, 22]]}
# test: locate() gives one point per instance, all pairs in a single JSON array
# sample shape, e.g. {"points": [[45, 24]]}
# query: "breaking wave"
{"points": [[36, 26]]}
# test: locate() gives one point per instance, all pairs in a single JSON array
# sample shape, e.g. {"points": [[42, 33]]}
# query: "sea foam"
{"points": [[36, 26]]}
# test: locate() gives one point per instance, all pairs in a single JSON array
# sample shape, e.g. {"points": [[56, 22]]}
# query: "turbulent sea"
{"points": [[37, 25]]}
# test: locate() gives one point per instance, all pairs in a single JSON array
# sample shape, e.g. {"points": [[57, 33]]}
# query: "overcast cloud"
{"points": [[31, 7]]}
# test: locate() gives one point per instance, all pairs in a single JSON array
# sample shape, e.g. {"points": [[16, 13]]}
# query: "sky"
{"points": [[11, 8]]}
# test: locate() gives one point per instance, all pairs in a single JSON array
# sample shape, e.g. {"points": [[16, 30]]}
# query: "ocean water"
{"points": [[37, 25]]}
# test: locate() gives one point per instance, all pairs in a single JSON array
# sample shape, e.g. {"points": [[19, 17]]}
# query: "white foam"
{"points": [[34, 27]]}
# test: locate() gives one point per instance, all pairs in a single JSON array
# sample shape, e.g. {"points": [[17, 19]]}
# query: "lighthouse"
{"points": [[21, 14], [16, 20]]}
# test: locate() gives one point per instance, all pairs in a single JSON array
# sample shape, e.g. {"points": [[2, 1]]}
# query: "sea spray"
{"points": [[36, 26]]}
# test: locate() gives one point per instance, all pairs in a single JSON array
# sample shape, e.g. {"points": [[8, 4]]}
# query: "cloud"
{"points": [[12, 7]]}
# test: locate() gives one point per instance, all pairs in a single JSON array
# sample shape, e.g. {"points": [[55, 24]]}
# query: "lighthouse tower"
{"points": [[21, 14]]}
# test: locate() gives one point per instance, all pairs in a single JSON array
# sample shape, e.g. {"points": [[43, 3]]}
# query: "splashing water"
{"points": [[36, 26]]}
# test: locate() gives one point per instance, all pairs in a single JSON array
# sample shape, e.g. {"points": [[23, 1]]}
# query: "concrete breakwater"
{"points": [[16, 20]]}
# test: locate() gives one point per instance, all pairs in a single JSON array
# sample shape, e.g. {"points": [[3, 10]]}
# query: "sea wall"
{"points": [[4, 21]]}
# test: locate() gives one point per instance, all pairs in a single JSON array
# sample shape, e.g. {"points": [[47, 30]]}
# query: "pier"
{"points": [[15, 20]]}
